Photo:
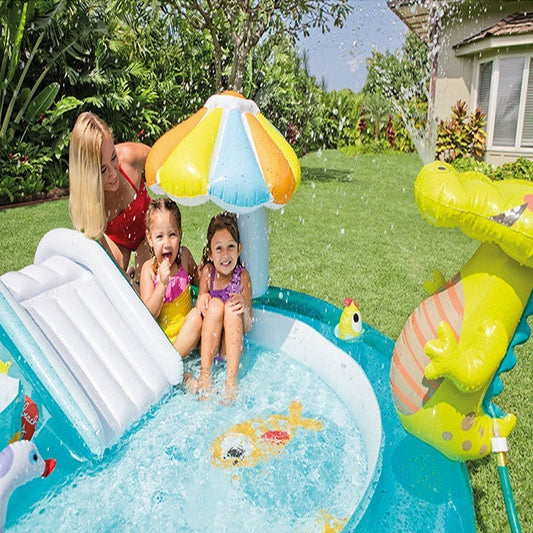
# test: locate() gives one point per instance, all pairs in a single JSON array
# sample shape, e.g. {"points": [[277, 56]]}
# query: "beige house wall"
{"points": [[455, 75]]}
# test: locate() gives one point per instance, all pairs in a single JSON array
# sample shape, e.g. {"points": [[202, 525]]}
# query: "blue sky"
{"points": [[340, 55]]}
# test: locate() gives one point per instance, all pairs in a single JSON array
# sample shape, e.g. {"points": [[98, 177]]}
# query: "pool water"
{"points": [[161, 476]]}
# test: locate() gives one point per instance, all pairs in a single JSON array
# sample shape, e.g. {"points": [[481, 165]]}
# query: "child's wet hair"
{"points": [[158, 206], [224, 220]]}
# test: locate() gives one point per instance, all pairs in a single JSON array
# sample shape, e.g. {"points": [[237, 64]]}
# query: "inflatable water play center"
{"points": [[336, 426], [83, 346]]}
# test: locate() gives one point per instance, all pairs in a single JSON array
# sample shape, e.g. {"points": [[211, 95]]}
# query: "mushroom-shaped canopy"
{"points": [[226, 152]]}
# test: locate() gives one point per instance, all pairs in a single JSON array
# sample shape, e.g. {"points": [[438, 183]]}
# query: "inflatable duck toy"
{"points": [[350, 325], [446, 363], [256, 440], [20, 462]]}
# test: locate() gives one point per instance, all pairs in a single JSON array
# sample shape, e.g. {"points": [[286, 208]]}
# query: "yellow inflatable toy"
{"points": [[447, 359], [257, 440], [350, 324]]}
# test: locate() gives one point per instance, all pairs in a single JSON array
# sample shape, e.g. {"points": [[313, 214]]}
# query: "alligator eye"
{"points": [[509, 217]]}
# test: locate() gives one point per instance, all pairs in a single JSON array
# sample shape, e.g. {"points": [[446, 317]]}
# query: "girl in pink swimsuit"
{"points": [[224, 301], [165, 279]]}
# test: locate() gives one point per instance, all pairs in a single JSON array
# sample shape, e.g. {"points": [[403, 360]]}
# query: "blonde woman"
{"points": [[108, 197]]}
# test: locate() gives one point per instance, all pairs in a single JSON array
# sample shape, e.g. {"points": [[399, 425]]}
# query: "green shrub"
{"points": [[522, 169], [21, 173], [465, 164]]}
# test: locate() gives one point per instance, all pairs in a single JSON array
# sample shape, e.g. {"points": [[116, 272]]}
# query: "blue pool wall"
{"points": [[419, 489]]}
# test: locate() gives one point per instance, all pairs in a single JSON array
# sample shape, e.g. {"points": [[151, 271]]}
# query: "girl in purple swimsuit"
{"points": [[225, 302]]}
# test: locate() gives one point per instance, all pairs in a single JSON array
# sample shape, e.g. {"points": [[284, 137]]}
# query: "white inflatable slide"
{"points": [[87, 337]]}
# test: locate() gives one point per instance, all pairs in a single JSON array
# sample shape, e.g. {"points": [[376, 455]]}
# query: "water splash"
{"points": [[422, 130]]}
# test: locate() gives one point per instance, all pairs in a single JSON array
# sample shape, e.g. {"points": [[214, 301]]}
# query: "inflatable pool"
{"points": [[313, 442]]}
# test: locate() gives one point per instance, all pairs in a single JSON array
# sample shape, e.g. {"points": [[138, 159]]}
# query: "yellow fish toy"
{"points": [[256, 440]]}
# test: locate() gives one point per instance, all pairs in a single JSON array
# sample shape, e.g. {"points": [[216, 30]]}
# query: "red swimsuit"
{"points": [[128, 228]]}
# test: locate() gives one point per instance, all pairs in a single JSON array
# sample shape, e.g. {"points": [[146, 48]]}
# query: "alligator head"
{"points": [[500, 212]]}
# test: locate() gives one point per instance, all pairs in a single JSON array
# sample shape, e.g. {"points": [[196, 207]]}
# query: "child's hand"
{"points": [[236, 303], [202, 303], [164, 272]]}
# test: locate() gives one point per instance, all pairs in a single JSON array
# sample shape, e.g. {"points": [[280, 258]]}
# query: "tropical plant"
{"points": [[345, 108], [21, 173], [462, 135], [521, 168], [34, 41], [402, 138], [466, 164], [377, 109]]}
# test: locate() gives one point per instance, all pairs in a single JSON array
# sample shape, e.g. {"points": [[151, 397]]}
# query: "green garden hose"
{"points": [[499, 446]]}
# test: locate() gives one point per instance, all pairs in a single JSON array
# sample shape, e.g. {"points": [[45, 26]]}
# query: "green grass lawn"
{"points": [[352, 229]]}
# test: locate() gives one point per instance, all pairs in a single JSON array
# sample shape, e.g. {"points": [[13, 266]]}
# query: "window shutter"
{"points": [[527, 131], [485, 76]]}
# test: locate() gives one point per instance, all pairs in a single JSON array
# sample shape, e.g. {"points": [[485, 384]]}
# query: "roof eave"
{"points": [[493, 43], [413, 15]]}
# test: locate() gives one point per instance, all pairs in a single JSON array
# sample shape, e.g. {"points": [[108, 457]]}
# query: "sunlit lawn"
{"points": [[352, 229]]}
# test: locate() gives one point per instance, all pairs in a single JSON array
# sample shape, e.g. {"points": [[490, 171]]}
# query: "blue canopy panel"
{"points": [[236, 180]]}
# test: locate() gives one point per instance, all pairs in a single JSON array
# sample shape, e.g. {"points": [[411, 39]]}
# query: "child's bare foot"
{"points": [[191, 383], [232, 390], [204, 386]]}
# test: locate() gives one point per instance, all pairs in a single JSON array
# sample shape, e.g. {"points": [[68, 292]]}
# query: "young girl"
{"points": [[165, 279], [224, 301]]}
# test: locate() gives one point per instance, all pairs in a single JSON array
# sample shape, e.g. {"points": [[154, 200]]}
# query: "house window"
{"points": [[505, 94]]}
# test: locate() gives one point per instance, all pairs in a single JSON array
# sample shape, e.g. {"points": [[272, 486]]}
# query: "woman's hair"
{"points": [[159, 205], [86, 195], [223, 220]]}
